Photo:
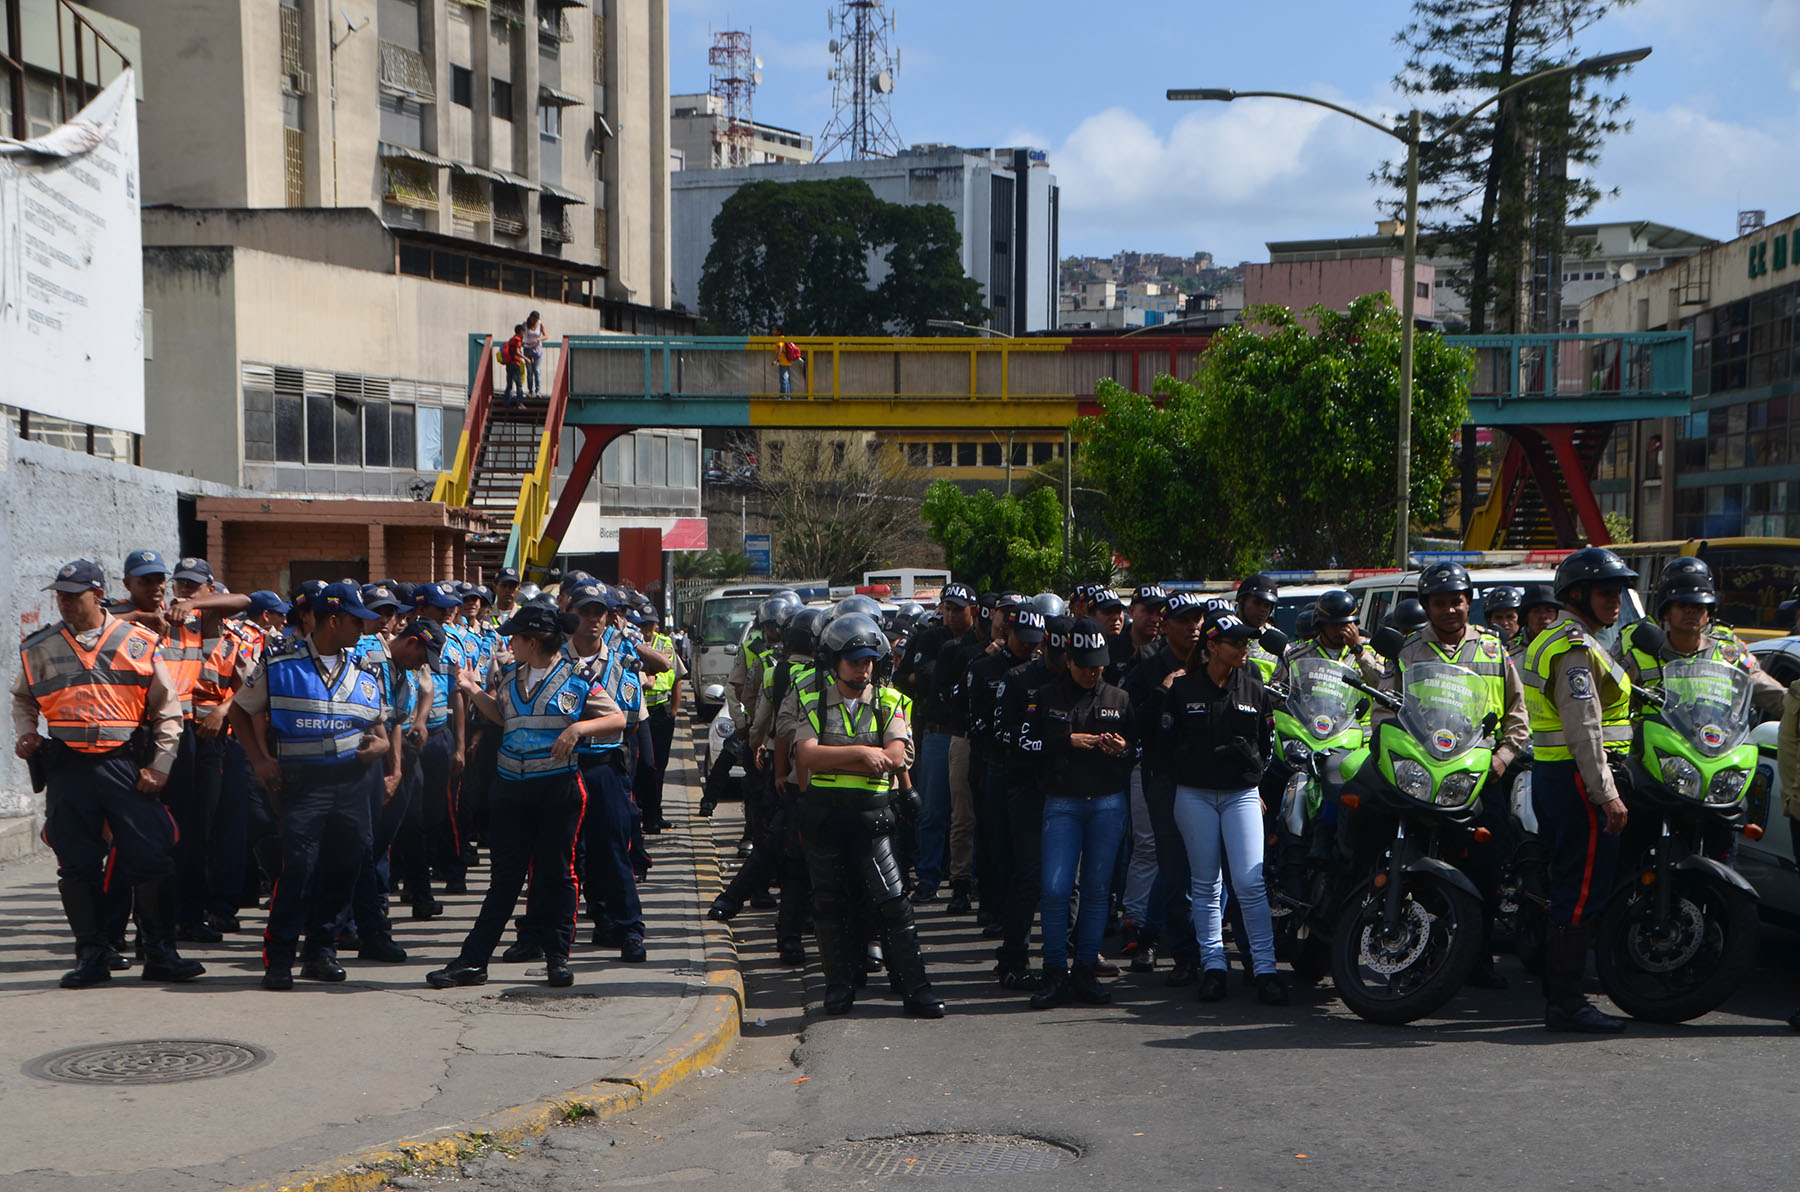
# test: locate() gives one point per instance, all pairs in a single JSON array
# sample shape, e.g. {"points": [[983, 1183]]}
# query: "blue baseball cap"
{"points": [[265, 601], [145, 562], [80, 575], [438, 595], [381, 598], [342, 598], [507, 576], [197, 570], [582, 595]]}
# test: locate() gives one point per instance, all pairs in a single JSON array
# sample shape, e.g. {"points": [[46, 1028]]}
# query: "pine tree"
{"points": [[1501, 191]]}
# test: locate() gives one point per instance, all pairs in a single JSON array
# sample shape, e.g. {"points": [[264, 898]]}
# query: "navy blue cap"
{"points": [[381, 598], [1187, 603], [960, 594], [616, 596], [1149, 594], [534, 618], [1026, 622], [265, 601], [341, 598], [197, 570], [427, 631], [582, 595], [145, 562], [303, 595], [1087, 643], [438, 595], [507, 576], [1102, 596], [1228, 627], [80, 575]]}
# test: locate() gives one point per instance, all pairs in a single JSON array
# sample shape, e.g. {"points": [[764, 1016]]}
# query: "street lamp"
{"points": [[1410, 138]]}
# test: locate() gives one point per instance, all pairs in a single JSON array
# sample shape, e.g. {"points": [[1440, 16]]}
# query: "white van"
{"points": [[725, 614]]}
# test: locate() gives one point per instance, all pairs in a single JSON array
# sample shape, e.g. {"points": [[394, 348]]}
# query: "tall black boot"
{"points": [[1565, 1009], [790, 919], [841, 959], [156, 907], [749, 881], [907, 962], [82, 903]]}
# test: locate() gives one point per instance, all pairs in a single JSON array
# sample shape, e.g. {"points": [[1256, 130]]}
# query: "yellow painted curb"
{"points": [[707, 1034]]}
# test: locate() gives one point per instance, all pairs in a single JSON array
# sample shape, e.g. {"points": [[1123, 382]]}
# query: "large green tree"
{"points": [[1501, 191], [1282, 450], [798, 254], [995, 542]]}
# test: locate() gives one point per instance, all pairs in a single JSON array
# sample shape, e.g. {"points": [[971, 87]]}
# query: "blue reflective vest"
{"points": [[533, 720], [604, 675], [444, 665], [313, 721]]}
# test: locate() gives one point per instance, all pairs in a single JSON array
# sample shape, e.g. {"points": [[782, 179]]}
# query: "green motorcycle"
{"points": [[1679, 934], [1409, 931]]}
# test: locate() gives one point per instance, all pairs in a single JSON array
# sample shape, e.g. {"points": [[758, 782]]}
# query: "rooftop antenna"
{"points": [[736, 73], [866, 65]]}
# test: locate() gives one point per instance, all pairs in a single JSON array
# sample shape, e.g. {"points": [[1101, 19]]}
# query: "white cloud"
{"points": [[1682, 167]]}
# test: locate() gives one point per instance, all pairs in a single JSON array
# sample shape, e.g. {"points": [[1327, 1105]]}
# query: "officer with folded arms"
{"points": [[312, 721], [113, 724]]}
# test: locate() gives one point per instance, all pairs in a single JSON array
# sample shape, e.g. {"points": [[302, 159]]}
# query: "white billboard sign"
{"points": [[72, 267]]}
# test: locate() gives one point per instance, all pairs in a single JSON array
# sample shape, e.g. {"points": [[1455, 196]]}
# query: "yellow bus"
{"points": [[1753, 575]]}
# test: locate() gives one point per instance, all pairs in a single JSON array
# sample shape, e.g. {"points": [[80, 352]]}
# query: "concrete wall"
{"points": [[1653, 302], [1299, 284], [60, 505]]}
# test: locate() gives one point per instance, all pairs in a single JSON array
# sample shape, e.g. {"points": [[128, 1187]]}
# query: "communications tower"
{"points": [[736, 73], [866, 66]]}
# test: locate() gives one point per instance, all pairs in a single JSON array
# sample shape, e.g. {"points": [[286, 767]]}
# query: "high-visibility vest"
{"points": [[315, 722], [533, 721], [92, 700], [184, 653], [444, 665], [662, 684], [1717, 647], [605, 675], [1264, 661], [218, 665], [887, 700], [1485, 654], [1549, 742]]}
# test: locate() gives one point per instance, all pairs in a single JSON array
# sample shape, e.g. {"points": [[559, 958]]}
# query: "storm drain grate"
{"points": [[149, 1061], [945, 1155]]}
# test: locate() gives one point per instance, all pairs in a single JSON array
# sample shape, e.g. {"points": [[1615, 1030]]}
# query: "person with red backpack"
{"points": [[787, 354], [512, 358]]}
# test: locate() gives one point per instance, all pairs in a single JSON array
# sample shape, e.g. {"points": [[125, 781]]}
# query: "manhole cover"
{"points": [[945, 1155], [150, 1061]]}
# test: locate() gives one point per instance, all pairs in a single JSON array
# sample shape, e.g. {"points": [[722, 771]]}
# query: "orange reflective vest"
{"points": [[184, 653], [218, 666], [92, 700]]}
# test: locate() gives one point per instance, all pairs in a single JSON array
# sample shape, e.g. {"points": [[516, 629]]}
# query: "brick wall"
{"points": [[262, 555]]}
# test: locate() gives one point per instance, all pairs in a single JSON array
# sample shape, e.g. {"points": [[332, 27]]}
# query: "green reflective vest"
{"points": [[662, 685], [1548, 740], [864, 729]]}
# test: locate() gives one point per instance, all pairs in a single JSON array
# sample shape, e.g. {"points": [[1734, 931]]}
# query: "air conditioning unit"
{"points": [[298, 82]]}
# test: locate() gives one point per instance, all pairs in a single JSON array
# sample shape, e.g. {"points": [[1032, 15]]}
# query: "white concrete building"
{"points": [[1005, 202], [698, 131]]}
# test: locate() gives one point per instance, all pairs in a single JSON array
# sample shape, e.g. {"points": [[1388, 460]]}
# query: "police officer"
{"points": [[917, 677], [1451, 638], [1539, 608], [1334, 637], [1081, 730], [662, 703], [1025, 797], [445, 751], [744, 682], [1021, 630], [1500, 609], [114, 725], [544, 709], [1685, 598], [312, 721], [952, 665], [1256, 600], [1579, 703], [852, 740]]}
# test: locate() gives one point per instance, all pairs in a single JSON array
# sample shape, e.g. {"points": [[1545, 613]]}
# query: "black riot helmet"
{"points": [[1500, 599], [774, 612], [1537, 595], [1408, 616], [910, 614], [1686, 580], [1050, 604], [1304, 627], [865, 605], [802, 630], [1444, 577], [852, 636], [1591, 565], [1261, 585], [1336, 607]]}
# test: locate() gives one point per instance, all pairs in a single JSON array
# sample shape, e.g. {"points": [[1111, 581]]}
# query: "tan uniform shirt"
{"points": [[162, 708], [1583, 681], [831, 722]]}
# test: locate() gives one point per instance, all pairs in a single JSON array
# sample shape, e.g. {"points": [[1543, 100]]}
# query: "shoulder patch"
{"points": [[566, 702], [136, 646], [1581, 683]]}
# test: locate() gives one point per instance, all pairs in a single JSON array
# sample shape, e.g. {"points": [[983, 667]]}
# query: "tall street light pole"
{"points": [[1410, 137]]}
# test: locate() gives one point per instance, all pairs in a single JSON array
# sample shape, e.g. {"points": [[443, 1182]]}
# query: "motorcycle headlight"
{"points": [[1457, 789], [1681, 775], [1413, 779], [1727, 787], [1296, 754]]}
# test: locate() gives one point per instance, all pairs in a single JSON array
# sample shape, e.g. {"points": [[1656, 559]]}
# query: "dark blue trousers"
{"points": [[85, 797], [1583, 858], [532, 827], [324, 822]]}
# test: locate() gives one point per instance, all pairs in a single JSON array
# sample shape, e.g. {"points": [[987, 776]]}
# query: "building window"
{"points": [[1422, 289], [1653, 461], [965, 454], [550, 122], [940, 455], [1042, 453], [918, 454], [502, 99], [462, 86]]}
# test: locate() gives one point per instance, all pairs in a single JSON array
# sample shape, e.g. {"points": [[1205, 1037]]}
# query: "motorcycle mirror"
{"points": [[1362, 708], [1273, 640], [1648, 636], [1387, 642], [715, 692]]}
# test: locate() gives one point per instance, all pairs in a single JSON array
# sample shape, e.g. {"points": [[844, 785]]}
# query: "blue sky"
{"points": [[1716, 109]]}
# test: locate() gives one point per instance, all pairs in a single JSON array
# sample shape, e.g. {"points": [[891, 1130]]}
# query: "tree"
{"points": [[1516, 158], [836, 504], [995, 542], [797, 254]]}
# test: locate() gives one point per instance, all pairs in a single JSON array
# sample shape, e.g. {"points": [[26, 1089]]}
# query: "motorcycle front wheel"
{"points": [[1394, 975], [1683, 966]]}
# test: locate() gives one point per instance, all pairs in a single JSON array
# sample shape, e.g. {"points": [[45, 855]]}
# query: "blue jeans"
{"points": [[932, 776], [1232, 819], [1084, 832], [786, 374], [531, 374]]}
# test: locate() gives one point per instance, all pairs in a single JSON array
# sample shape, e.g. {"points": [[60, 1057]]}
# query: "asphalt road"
{"points": [[1159, 1091]]}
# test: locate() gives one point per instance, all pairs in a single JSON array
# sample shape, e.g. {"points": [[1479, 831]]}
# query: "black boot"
{"points": [[908, 965], [1086, 987], [156, 909], [83, 905], [1056, 990], [1565, 1010], [959, 903], [841, 961]]}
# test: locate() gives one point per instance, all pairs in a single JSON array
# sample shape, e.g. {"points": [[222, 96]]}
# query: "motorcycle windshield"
{"points": [[1444, 709], [1708, 703], [1320, 698]]}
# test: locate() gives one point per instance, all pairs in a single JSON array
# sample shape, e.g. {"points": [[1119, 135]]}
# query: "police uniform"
{"points": [[446, 736], [981, 690], [659, 705], [952, 664], [318, 714], [109, 708], [1717, 644], [220, 764], [609, 828], [1024, 811]]}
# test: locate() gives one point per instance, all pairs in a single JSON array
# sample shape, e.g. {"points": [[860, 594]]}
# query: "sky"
{"points": [[1715, 110]]}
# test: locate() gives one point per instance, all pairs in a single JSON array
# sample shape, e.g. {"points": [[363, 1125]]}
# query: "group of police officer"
{"points": [[353, 740], [1016, 749]]}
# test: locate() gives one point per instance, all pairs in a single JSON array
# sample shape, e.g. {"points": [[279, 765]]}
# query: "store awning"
{"points": [[390, 151], [463, 167], [566, 196], [550, 97]]}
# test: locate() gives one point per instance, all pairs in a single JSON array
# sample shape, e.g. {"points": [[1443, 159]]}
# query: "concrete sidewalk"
{"points": [[340, 1085]]}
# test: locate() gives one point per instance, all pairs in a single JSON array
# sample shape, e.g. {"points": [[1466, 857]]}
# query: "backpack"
{"points": [[790, 351]]}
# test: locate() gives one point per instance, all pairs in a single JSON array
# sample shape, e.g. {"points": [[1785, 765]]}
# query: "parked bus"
{"points": [[1753, 575]]}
